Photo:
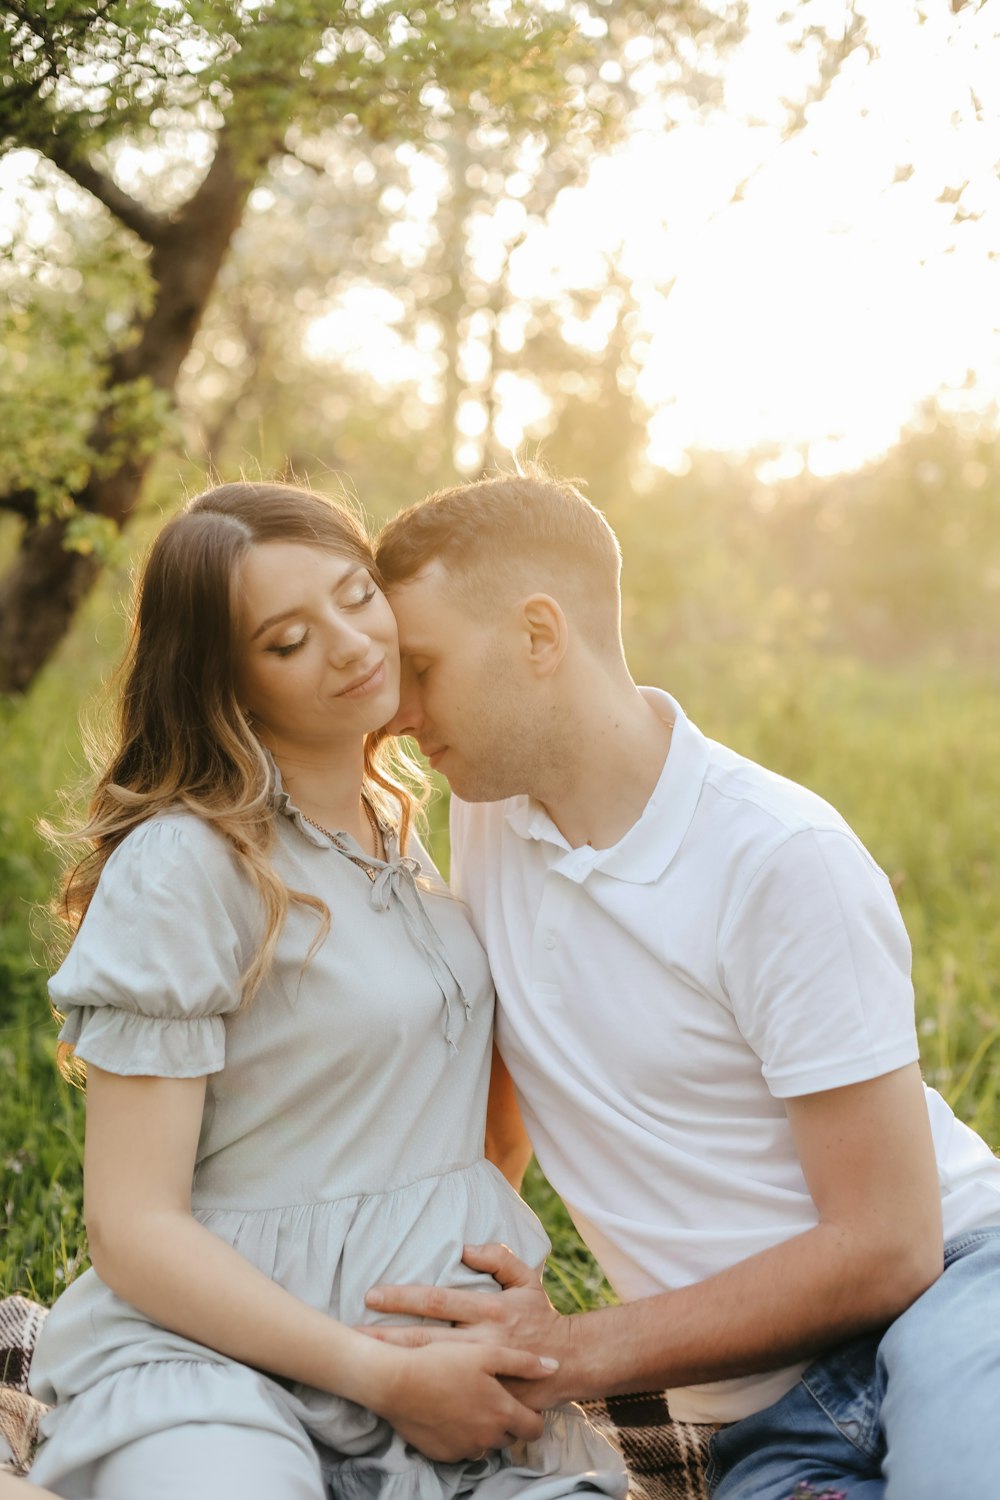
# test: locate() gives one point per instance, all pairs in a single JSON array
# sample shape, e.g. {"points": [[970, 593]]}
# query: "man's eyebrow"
{"points": [[286, 614]]}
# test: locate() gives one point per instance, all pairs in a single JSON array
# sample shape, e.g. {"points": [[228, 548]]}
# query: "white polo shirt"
{"points": [[658, 1001]]}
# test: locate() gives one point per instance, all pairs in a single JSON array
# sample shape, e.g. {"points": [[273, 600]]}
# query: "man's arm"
{"points": [[507, 1143], [877, 1246]]}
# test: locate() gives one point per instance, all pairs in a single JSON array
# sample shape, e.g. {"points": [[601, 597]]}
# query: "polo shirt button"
{"points": [[550, 941]]}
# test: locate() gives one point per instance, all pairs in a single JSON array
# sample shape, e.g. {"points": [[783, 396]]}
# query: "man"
{"points": [[706, 1011]]}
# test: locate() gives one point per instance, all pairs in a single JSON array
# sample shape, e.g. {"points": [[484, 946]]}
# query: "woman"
{"points": [[286, 1025]]}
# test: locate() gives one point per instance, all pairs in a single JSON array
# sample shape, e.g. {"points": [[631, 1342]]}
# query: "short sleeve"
{"points": [[158, 959], [816, 964]]}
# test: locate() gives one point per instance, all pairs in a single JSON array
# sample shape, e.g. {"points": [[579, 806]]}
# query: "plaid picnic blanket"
{"points": [[20, 1321], [666, 1459]]}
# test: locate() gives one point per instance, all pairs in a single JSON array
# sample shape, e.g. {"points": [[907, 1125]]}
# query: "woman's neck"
{"points": [[324, 783]]}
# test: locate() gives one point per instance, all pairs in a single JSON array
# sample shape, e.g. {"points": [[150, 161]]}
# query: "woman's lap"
{"points": [[207, 1461]]}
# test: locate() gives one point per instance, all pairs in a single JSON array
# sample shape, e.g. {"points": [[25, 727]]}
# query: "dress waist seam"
{"points": [[357, 1196]]}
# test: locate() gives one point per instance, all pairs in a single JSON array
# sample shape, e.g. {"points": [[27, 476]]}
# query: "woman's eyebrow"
{"points": [[285, 614]]}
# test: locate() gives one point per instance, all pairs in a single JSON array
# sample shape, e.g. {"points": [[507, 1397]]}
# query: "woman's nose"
{"points": [[346, 644]]}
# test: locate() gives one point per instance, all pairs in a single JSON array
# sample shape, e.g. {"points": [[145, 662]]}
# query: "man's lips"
{"points": [[365, 684]]}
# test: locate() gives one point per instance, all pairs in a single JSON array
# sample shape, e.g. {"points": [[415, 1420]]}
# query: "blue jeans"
{"points": [[908, 1413]]}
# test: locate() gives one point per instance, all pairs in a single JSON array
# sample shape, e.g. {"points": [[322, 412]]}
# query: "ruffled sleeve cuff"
{"points": [[138, 1046]]}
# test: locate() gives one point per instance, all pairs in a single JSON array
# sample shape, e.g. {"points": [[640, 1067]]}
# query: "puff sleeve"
{"points": [[158, 959]]}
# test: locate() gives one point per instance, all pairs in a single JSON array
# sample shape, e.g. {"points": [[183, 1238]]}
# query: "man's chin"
{"points": [[476, 788]]}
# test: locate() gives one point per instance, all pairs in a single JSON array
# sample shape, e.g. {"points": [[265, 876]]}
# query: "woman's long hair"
{"points": [[181, 739]]}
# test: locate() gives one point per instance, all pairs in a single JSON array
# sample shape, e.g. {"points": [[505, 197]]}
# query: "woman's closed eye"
{"points": [[285, 648], [361, 592]]}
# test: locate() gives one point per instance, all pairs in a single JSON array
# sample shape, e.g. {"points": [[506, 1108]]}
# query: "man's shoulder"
{"points": [[739, 789], [723, 789]]}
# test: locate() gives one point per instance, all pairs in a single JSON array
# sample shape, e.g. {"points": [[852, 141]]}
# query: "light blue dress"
{"points": [[341, 1146]]}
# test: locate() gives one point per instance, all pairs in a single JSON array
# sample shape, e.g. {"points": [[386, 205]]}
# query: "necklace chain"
{"points": [[373, 825]]}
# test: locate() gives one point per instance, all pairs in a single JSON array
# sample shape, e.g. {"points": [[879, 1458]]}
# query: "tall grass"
{"points": [[42, 1240]]}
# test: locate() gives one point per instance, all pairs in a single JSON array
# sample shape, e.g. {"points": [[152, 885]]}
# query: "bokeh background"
{"points": [[735, 267]]}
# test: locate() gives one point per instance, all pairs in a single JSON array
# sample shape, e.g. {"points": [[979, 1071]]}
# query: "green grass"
{"points": [[910, 758]]}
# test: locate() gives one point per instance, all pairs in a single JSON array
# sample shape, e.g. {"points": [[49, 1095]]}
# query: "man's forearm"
{"points": [[877, 1245], [783, 1305]]}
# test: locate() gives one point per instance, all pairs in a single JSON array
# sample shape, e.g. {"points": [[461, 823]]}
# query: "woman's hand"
{"points": [[447, 1401]]}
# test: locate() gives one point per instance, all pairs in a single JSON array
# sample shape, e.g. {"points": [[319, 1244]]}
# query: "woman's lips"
{"points": [[373, 679]]}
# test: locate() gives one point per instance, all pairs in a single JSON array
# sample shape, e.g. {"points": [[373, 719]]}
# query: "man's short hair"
{"points": [[509, 536]]}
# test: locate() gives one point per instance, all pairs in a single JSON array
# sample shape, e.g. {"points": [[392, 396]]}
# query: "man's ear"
{"points": [[545, 631]]}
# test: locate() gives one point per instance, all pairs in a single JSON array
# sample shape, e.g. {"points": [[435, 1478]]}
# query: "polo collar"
{"points": [[645, 851]]}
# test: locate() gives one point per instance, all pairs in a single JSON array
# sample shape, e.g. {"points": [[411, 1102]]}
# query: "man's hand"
{"points": [[522, 1317]]}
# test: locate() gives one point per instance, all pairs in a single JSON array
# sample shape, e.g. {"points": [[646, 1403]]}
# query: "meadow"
{"points": [[906, 750]]}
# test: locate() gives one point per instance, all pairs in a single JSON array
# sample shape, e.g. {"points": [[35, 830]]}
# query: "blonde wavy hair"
{"points": [[181, 739]]}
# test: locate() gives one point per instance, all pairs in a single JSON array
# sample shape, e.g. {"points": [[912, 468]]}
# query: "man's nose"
{"points": [[407, 718]]}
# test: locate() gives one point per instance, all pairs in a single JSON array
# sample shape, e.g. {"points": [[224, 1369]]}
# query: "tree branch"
{"points": [[149, 226], [313, 166], [23, 503]]}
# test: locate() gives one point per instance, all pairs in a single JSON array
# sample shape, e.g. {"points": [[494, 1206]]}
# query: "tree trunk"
{"points": [[46, 583], [38, 599]]}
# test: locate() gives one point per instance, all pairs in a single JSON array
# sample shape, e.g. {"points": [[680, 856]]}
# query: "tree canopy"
{"points": [[230, 166], [164, 116]]}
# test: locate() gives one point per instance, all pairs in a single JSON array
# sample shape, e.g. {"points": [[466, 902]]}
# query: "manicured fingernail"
{"points": [[550, 1364], [375, 1299]]}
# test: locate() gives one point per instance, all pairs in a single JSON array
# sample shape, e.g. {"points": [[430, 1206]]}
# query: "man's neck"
{"points": [[610, 771]]}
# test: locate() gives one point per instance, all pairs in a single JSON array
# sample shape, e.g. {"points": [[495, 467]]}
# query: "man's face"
{"points": [[459, 694]]}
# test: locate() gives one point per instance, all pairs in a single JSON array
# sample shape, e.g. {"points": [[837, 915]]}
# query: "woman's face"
{"points": [[318, 659]]}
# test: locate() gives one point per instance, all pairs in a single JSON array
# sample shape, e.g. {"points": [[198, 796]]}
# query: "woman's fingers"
{"points": [[522, 1364], [449, 1401]]}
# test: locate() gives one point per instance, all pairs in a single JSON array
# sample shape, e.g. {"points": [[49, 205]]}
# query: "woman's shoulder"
{"points": [[174, 876], [174, 842], [177, 828], [169, 929]]}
